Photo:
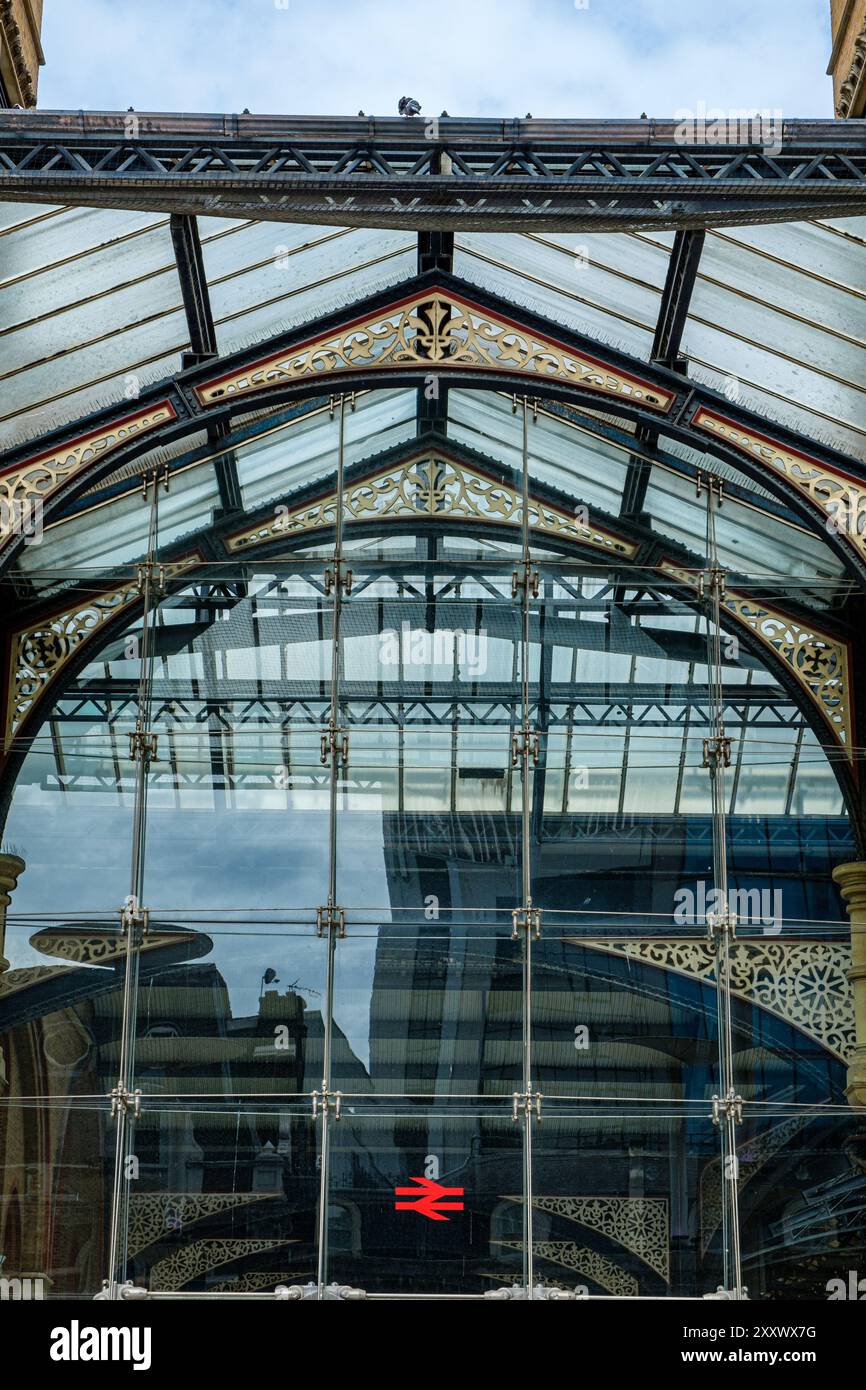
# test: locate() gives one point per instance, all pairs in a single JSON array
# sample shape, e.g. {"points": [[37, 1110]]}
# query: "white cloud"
{"points": [[616, 58]]}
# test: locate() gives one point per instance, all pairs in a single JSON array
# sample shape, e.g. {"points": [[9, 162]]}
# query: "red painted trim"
{"points": [[83, 438], [703, 413]]}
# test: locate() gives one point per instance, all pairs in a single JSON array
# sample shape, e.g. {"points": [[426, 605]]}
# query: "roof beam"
{"points": [[435, 252], [439, 174], [193, 283], [680, 280], [679, 283], [203, 343]]}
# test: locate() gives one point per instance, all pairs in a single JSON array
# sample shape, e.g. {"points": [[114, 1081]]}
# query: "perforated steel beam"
{"points": [[444, 173]]}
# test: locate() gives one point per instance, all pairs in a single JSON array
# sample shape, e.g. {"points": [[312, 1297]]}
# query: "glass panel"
{"points": [[416, 1195], [225, 1197], [619, 1193], [339, 992], [802, 1210]]}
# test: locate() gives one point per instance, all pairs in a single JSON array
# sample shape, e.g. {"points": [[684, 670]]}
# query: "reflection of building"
{"points": [[644, 1193], [205, 1169]]}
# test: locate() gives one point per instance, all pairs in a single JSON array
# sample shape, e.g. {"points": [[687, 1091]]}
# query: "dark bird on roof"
{"points": [[360, 113], [644, 116], [408, 106]]}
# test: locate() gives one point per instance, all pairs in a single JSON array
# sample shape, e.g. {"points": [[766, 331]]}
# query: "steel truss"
{"points": [[439, 174], [607, 704]]}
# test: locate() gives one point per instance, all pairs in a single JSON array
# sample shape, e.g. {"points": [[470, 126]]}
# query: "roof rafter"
{"points": [[189, 259], [679, 283]]}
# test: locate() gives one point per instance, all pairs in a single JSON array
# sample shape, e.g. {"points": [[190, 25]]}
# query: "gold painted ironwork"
{"points": [[589, 1263], [803, 982], [256, 1280], [195, 1259], [150, 1212], [13, 980], [841, 498], [639, 1224], [432, 486], [433, 330], [818, 661], [39, 654], [35, 479], [97, 947]]}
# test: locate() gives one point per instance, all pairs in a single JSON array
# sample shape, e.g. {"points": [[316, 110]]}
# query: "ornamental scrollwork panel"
{"points": [[195, 1259], [13, 980], [432, 487], [155, 1215], [841, 498], [639, 1224], [27, 485], [588, 1263], [40, 654], [818, 661], [98, 947], [436, 329], [257, 1280], [803, 982]]}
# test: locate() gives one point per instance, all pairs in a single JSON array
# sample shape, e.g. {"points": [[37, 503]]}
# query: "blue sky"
{"points": [[600, 58]]}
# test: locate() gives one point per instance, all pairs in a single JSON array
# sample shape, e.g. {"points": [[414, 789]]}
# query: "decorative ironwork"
{"points": [[602, 1271], [818, 661], [433, 330], [840, 497], [639, 1224], [33, 480], [432, 486], [155, 1215], [13, 980], [40, 654], [752, 1154], [803, 982], [93, 947], [192, 1260], [257, 1279]]}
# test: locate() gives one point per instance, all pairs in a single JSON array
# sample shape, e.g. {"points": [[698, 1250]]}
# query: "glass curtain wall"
{"points": [[377, 931]]}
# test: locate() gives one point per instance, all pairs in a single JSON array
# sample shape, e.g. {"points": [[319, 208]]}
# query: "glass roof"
{"points": [[224, 680], [91, 306], [108, 525], [776, 310], [91, 297]]}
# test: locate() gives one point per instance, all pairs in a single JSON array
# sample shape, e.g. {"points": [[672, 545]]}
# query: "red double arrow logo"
{"points": [[428, 1199]]}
